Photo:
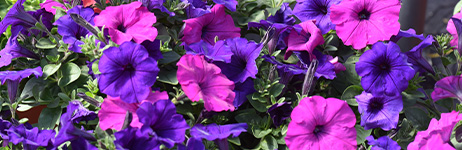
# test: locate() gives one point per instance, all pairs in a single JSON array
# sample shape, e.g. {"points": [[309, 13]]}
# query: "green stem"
{"points": [[431, 108]]}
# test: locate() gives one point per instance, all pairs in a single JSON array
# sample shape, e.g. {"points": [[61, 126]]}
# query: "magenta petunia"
{"points": [[452, 29], [439, 129], [48, 5], [448, 87], [127, 22], [202, 80], [113, 111], [318, 124], [362, 22], [208, 26], [306, 40]]}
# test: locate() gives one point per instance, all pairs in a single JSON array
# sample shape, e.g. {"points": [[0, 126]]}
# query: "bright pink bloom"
{"points": [[208, 26], [339, 67], [442, 127], [319, 124], [306, 40], [113, 111], [127, 22], [452, 29], [48, 5], [448, 87], [362, 22], [202, 80]]}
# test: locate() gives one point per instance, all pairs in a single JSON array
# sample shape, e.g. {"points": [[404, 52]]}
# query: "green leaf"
{"points": [[269, 143], [33, 84], [259, 133], [168, 76], [235, 141], [361, 134], [350, 93], [248, 116], [256, 104], [276, 89], [169, 57], [418, 117], [45, 43], [409, 99], [69, 72], [49, 117], [446, 61], [50, 69]]}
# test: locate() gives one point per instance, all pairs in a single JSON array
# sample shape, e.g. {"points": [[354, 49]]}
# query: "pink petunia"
{"points": [[48, 5], [319, 124], [202, 80], [306, 40], [338, 67], [208, 26], [127, 22], [452, 29], [113, 111], [362, 22]]}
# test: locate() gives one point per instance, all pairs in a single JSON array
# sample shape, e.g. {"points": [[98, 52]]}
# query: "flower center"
{"points": [[323, 9], [317, 130], [128, 67], [364, 15], [375, 104], [121, 28], [384, 66]]}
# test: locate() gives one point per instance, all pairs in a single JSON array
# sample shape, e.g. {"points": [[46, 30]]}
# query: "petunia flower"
{"points": [[113, 111], [13, 78], [286, 71], [325, 68], [218, 133], [31, 138], [156, 4], [280, 112], [448, 87], [14, 50], [42, 15], [218, 52], [161, 121], [384, 70], [127, 22], [17, 16], [127, 72], [439, 129], [338, 67], [318, 10], [230, 4], [71, 31], [458, 25], [406, 33], [379, 111], [208, 26], [196, 8], [242, 90], [80, 113], [362, 22], [48, 5], [133, 138], [306, 40], [192, 144], [4, 126], [202, 80], [153, 49], [242, 65], [382, 143], [319, 123], [451, 28]]}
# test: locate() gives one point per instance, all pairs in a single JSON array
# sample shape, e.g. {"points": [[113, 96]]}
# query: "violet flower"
{"points": [[318, 10], [242, 90], [13, 78], [325, 68], [208, 26], [218, 133], [452, 29], [127, 71], [379, 111], [71, 31], [458, 24], [196, 8], [242, 65], [385, 71], [80, 113], [133, 138], [305, 40], [46, 20], [31, 138], [153, 49], [201, 80], [192, 144], [218, 52], [127, 22], [286, 71], [161, 121], [17, 16], [156, 4], [448, 87], [4, 126], [14, 50], [362, 22], [382, 143], [280, 112], [230, 4]]}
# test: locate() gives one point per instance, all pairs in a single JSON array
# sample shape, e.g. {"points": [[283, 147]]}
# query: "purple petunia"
{"points": [[384, 70], [325, 68], [218, 52], [127, 71], [156, 4], [379, 111], [13, 78], [230, 4], [133, 138], [46, 19], [280, 112], [242, 90], [80, 113], [218, 133], [193, 144], [318, 10], [196, 8], [14, 50], [17, 16], [382, 143], [4, 126], [31, 138], [161, 121], [71, 31], [243, 63], [448, 87], [153, 49]]}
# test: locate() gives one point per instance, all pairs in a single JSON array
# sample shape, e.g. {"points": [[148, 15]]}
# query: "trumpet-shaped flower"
{"points": [[133, 138], [218, 52], [318, 10], [306, 40], [13, 78], [382, 143], [451, 28], [218, 133], [379, 111], [448, 87]]}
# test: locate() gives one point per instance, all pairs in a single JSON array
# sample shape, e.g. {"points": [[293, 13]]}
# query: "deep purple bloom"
{"points": [[218, 133], [325, 68], [382, 143], [161, 121], [318, 10], [80, 113], [458, 25], [153, 49], [17, 16], [280, 112], [243, 63], [196, 8], [230, 4], [13, 78], [282, 22], [132, 138], [192, 144], [13, 49], [156, 4], [379, 111], [31, 138], [71, 31], [46, 20], [242, 90], [406, 33], [286, 71], [4, 126], [448, 87], [218, 52], [127, 71], [384, 70]]}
